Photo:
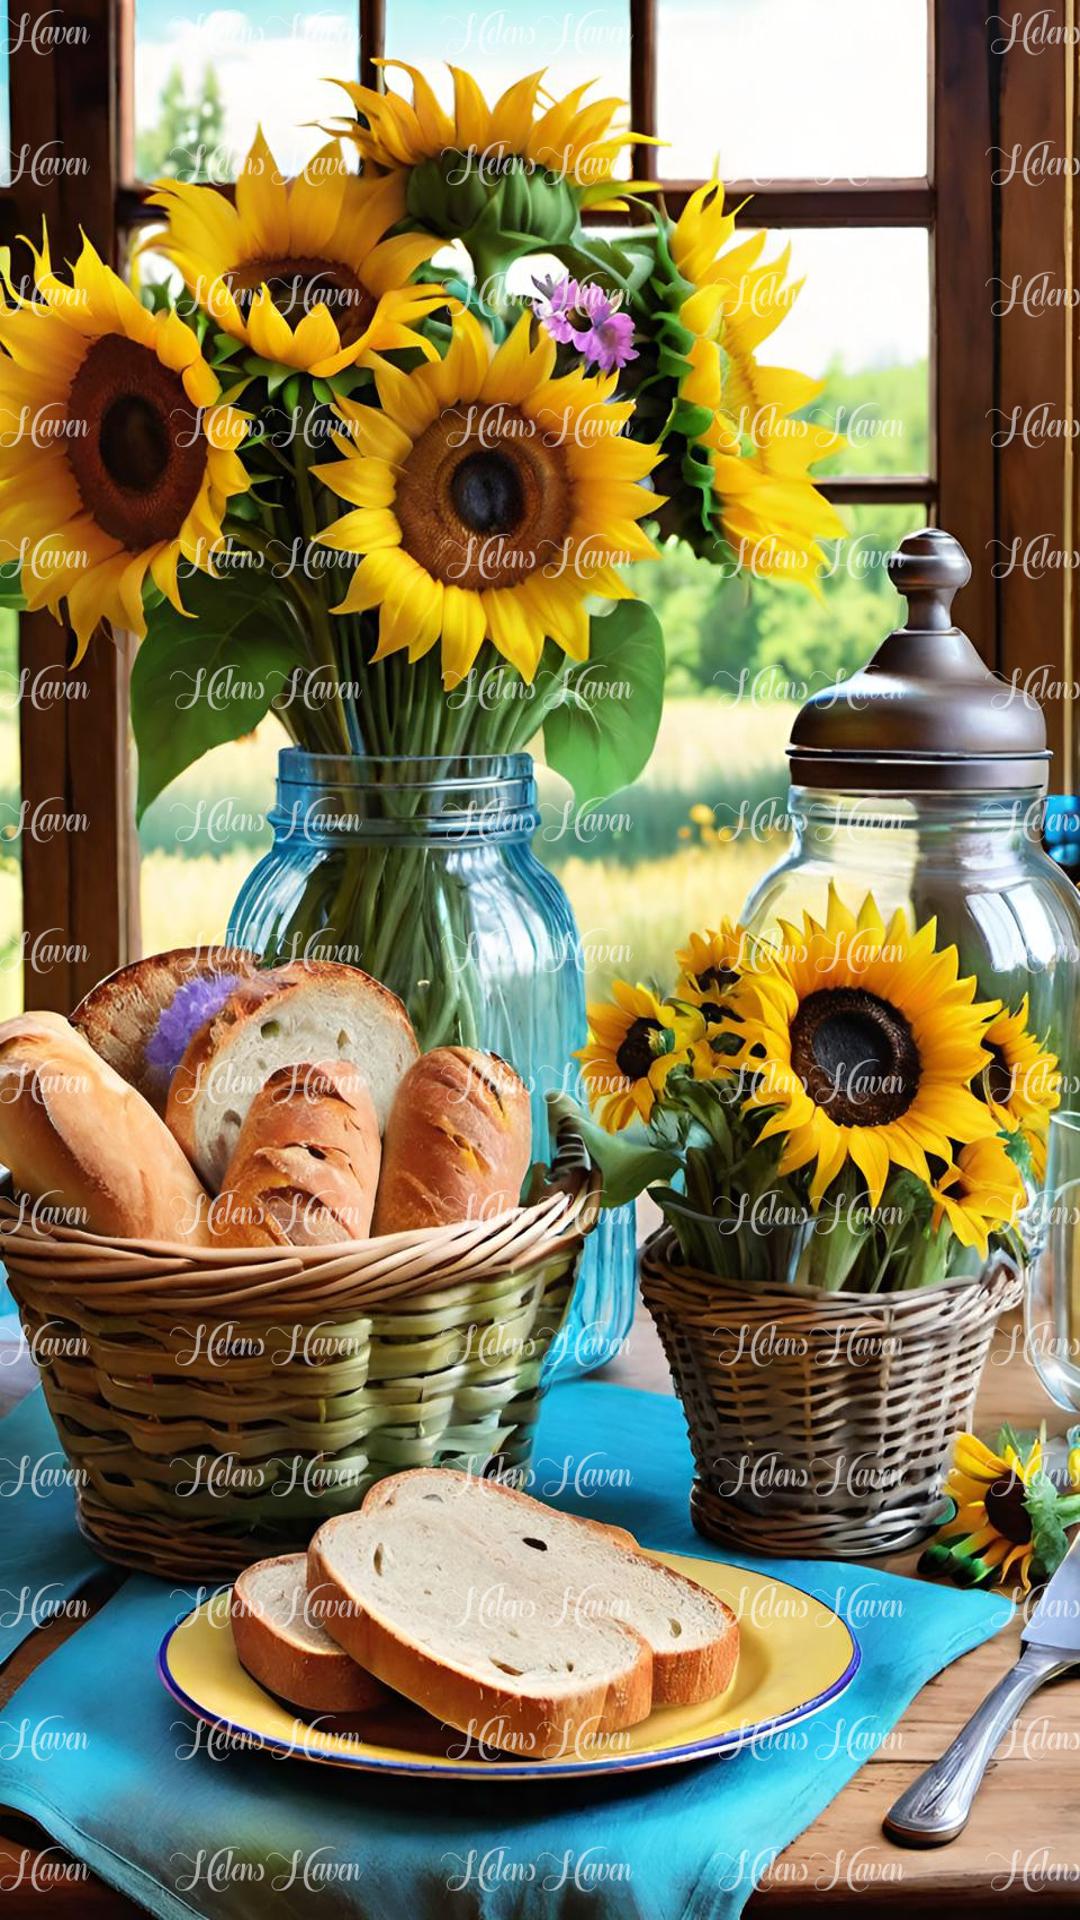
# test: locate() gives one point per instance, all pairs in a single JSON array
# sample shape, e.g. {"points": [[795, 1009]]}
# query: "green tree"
{"points": [[187, 132], [210, 115]]}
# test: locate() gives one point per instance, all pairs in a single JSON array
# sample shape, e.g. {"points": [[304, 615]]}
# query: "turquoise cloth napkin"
{"points": [[44, 1559], [96, 1751]]}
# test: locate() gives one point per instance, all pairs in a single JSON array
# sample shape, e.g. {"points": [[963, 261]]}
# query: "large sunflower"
{"points": [[864, 1041], [118, 461], [576, 141], [738, 459], [301, 271], [490, 501], [635, 1042]]}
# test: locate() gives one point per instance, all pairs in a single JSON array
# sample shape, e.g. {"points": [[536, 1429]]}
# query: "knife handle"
{"points": [[936, 1806]]}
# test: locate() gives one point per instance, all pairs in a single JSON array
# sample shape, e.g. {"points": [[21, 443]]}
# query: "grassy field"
{"points": [[640, 876]]}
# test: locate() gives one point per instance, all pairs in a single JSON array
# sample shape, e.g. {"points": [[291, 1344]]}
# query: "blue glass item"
{"points": [[422, 872], [1061, 832]]}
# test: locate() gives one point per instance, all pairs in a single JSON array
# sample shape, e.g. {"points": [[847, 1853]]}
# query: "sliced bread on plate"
{"points": [[528, 1629], [280, 1641]]}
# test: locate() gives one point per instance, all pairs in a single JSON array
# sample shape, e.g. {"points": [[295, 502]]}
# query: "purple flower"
{"points": [[580, 314], [191, 1006]]}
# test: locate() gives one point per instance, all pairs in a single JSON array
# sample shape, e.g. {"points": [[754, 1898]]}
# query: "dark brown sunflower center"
{"points": [[133, 442], [136, 449], [855, 1055], [300, 283], [637, 1053], [1006, 1512], [484, 505], [487, 493]]}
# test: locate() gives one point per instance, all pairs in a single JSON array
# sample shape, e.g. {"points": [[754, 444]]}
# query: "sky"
{"points": [[769, 88]]}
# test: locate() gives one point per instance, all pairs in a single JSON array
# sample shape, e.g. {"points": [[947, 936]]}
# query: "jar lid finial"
{"points": [[925, 713]]}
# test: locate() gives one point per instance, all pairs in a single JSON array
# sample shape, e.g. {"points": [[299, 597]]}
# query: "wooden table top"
{"points": [[1021, 1846]]}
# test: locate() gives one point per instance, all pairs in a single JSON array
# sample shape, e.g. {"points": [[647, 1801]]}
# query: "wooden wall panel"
{"points": [[1036, 290], [80, 901], [962, 353]]}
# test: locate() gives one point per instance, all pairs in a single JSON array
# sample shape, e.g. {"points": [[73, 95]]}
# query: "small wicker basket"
{"points": [[217, 1405], [820, 1424]]}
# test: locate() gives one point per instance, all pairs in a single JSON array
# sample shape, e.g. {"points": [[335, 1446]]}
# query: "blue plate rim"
{"points": [[717, 1745]]}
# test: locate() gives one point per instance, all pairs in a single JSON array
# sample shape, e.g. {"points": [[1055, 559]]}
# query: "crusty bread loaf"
{"points": [[527, 1629], [457, 1142], [281, 1643], [80, 1139], [306, 1162], [285, 1016], [141, 1018]]}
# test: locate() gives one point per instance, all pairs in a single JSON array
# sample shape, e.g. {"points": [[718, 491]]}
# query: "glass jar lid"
{"points": [[925, 713]]}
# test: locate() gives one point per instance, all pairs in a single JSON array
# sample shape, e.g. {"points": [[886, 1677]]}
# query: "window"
{"points": [[876, 138]]}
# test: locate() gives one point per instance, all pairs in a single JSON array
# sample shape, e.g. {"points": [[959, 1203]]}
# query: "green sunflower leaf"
{"points": [[230, 647], [603, 731], [628, 1162]]}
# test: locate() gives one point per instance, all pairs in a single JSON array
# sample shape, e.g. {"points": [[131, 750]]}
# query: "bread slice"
{"points": [[284, 1017], [280, 1642], [141, 1018], [527, 1629]]}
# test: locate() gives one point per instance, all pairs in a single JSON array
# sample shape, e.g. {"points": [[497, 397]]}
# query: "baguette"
{"points": [[525, 1628], [457, 1143], [306, 1163], [83, 1142], [141, 1018], [283, 1017], [279, 1640]]}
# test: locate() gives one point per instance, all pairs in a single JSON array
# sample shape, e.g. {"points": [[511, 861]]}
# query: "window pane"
{"points": [[203, 81], [861, 323], [201, 838], [782, 89], [705, 821], [575, 42], [5, 108], [11, 826]]}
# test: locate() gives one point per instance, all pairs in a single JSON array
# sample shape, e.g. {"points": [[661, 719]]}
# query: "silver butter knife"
{"points": [[936, 1806]]}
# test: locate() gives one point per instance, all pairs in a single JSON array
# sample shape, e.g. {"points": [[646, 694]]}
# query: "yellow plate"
{"points": [[795, 1655]]}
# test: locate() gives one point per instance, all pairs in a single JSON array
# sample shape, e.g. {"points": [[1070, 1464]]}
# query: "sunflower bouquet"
{"points": [[341, 466], [834, 1109]]}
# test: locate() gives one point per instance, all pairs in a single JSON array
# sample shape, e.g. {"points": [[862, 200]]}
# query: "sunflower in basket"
{"points": [[1021, 1084], [635, 1042], [839, 1069], [864, 1042]]}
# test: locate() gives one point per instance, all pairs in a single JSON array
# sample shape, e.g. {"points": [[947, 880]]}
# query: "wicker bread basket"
{"points": [[217, 1405], [820, 1423]]}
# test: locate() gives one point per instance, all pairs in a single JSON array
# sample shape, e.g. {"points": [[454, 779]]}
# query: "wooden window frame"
{"points": [[84, 891]]}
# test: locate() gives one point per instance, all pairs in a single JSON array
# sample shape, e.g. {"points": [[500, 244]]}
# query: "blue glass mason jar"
{"points": [[422, 872]]}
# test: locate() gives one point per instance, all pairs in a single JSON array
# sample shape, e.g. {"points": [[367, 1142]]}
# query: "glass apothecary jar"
{"points": [[421, 871], [920, 781]]}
